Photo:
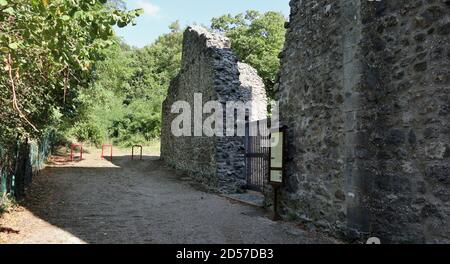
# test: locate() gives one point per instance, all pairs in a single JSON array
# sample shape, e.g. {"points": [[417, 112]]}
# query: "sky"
{"points": [[159, 14]]}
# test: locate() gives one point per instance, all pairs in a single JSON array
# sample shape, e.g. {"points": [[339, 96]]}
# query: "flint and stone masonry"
{"points": [[210, 68], [364, 90]]}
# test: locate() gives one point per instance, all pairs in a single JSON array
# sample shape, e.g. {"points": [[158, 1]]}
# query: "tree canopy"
{"points": [[47, 50], [257, 38], [64, 68], [124, 103], [127, 91]]}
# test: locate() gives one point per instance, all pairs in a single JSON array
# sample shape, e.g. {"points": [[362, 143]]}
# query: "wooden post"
{"points": [[276, 167], [276, 216]]}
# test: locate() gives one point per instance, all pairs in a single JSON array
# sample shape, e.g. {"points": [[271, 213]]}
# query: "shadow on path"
{"points": [[96, 201]]}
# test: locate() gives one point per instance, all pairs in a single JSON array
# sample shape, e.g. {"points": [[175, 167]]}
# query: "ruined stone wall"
{"points": [[209, 67], [406, 64], [364, 92]]}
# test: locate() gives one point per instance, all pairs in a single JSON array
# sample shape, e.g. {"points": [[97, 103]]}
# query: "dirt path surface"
{"points": [[125, 201]]}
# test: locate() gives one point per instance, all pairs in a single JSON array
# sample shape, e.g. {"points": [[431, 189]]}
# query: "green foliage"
{"points": [[84, 131], [130, 85], [63, 68], [126, 95], [139, 122], [47, 50], [257, 39]]}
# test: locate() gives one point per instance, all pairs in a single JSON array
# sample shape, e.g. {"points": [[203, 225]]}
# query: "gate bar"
{"points": [[111, 152], [132, 151], [72, 148]]}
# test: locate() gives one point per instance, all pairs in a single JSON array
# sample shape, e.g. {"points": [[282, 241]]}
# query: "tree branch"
{"points": [[13, 87]]}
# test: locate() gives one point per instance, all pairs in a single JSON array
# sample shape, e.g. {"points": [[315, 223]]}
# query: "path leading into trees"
{"points": [[124, 201]]}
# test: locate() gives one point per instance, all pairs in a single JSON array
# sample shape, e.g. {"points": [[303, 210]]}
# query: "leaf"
{"points": [[122, 24], [65, 17], [9, 10], [4, 49], [13, 46], [139, 11], [3, 2]]}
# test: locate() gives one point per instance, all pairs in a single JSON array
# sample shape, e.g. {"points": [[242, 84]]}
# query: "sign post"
{"points": [[276, 166]]}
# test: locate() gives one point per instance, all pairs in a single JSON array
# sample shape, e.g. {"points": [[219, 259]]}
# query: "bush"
{"points": [[85, 131]]}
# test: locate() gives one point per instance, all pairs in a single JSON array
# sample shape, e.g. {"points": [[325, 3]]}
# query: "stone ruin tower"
{"points": [[209, 67], [364, 90]]}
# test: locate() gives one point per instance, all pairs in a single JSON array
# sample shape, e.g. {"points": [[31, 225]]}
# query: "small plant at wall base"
{"points": [[7, 203]]}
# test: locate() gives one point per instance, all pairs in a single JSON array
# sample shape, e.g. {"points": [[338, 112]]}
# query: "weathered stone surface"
{"points": [[364, 90], [209, 67]]}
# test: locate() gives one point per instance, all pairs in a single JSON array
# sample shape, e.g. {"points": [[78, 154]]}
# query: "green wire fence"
{"points": [[21, 162]]}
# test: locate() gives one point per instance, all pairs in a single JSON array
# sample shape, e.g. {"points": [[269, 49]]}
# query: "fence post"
{"points": [[246, 146], [132, 151]]}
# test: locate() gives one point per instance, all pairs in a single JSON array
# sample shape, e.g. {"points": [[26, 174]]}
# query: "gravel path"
{"points": [[96, 201]]}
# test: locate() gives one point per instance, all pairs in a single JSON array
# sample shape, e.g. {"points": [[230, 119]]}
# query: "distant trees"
{"points": [[127, 91], [257, 38]]}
